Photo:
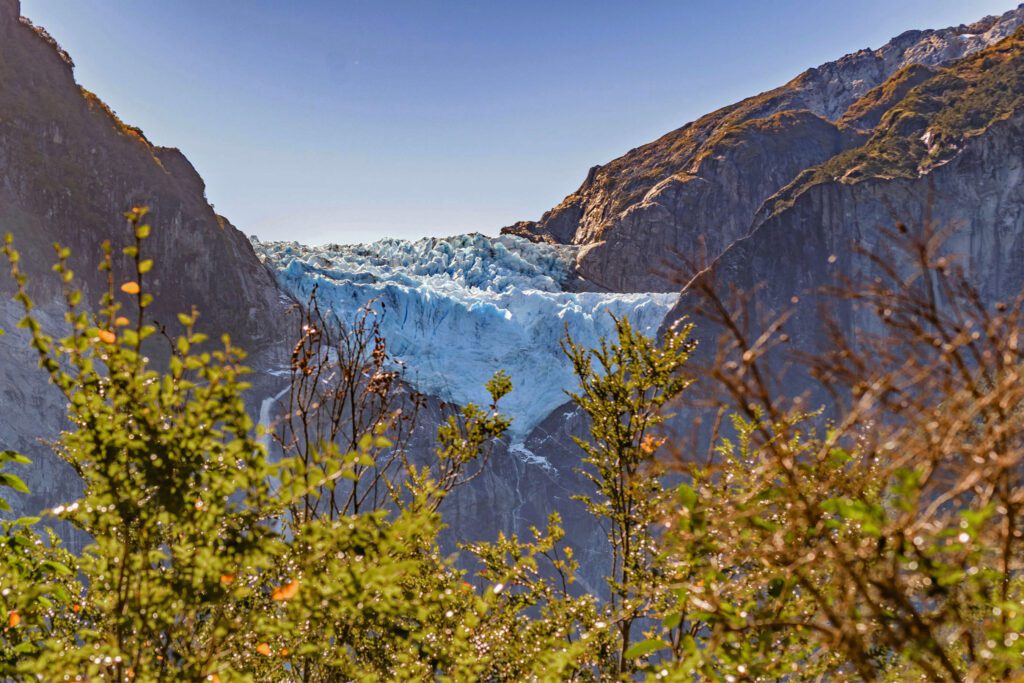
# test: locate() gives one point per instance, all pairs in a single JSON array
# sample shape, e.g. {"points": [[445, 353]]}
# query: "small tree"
{"points": [[625, 387], [344, 388], [885, 544]]}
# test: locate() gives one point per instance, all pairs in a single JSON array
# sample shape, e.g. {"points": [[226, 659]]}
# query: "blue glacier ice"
{"points": [[457, 309]]}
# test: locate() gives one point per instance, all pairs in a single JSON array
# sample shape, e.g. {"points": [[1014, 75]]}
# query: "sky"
{"points": [[352, 120]]}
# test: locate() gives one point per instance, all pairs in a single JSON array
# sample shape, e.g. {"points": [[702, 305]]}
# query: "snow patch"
{"points": [[457, 309], [528, 457]]}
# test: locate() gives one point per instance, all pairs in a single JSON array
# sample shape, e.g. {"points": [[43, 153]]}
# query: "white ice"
{"points": [[457, 309]]}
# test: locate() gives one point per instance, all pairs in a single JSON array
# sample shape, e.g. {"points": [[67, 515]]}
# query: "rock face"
{"points": [[671, 206], [69, 168], [771, 195], [950, 151]]}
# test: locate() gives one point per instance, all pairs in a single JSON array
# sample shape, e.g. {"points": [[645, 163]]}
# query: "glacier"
{"points": [[454, 310]]}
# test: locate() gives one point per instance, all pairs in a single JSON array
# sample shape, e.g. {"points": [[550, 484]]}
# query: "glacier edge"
{"points": [[455, 310]]}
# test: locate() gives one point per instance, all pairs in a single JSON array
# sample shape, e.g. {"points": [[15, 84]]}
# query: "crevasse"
{"points": [[455, 310]]}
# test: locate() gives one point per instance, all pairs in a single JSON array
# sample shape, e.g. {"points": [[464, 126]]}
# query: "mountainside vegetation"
{"points": [[884, 544], [936, 117]]}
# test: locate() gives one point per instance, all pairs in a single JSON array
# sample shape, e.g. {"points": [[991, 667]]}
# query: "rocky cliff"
{"points": [[69, 168], [949, 152], [779, 194], [662, 210]]}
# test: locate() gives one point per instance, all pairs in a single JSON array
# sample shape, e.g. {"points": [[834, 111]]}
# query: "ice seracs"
{"points": [[457, 309]]}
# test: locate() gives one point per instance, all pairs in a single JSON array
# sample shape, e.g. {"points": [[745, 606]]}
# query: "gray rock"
{"points": [[654, 216]]}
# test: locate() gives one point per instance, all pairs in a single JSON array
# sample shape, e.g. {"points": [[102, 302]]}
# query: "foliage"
{"points": [[879, 539], [197, 568], [35, 578], [886, 544], [624, 388]]}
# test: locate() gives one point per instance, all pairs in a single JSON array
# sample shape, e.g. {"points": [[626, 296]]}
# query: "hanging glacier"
{"points": [[454, 310]]}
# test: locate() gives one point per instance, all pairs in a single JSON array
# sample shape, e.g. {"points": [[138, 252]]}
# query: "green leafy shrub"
{"points": [[196, 570], [884, 544]]}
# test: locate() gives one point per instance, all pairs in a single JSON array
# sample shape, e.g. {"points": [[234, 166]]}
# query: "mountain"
{"points": [[69, 168], [674, 205], [765, 191], [948, 152]]}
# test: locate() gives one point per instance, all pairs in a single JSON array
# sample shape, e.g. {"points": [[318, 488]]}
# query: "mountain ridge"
{"points": [[687, 193], [71, 166], [966, 178]]}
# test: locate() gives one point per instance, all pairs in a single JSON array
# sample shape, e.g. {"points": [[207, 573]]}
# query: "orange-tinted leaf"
{"points": [[286, 592], [263, 649], [121, 321], [13, 619], [651, 443], [130, 288], [107, 336], [227, 579]]}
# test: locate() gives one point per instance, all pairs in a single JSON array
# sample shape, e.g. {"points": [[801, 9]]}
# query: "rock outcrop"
{"points": [[950, 152], [663, 210], [69, 168]]}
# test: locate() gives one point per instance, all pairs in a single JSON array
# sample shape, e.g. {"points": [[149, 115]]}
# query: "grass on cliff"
{"points": [[937, 117]]}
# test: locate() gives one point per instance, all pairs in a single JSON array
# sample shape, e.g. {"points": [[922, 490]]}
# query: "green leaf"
{"points": [[687, 496], [11, 456], [644, 647], [499, 385], [57, 568], [13, 481]]}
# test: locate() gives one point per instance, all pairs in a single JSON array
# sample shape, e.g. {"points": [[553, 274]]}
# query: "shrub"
{"points": [[881, 544]]}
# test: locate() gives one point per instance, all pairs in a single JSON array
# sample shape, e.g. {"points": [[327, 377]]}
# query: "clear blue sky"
{"points": [[344, 121]]}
